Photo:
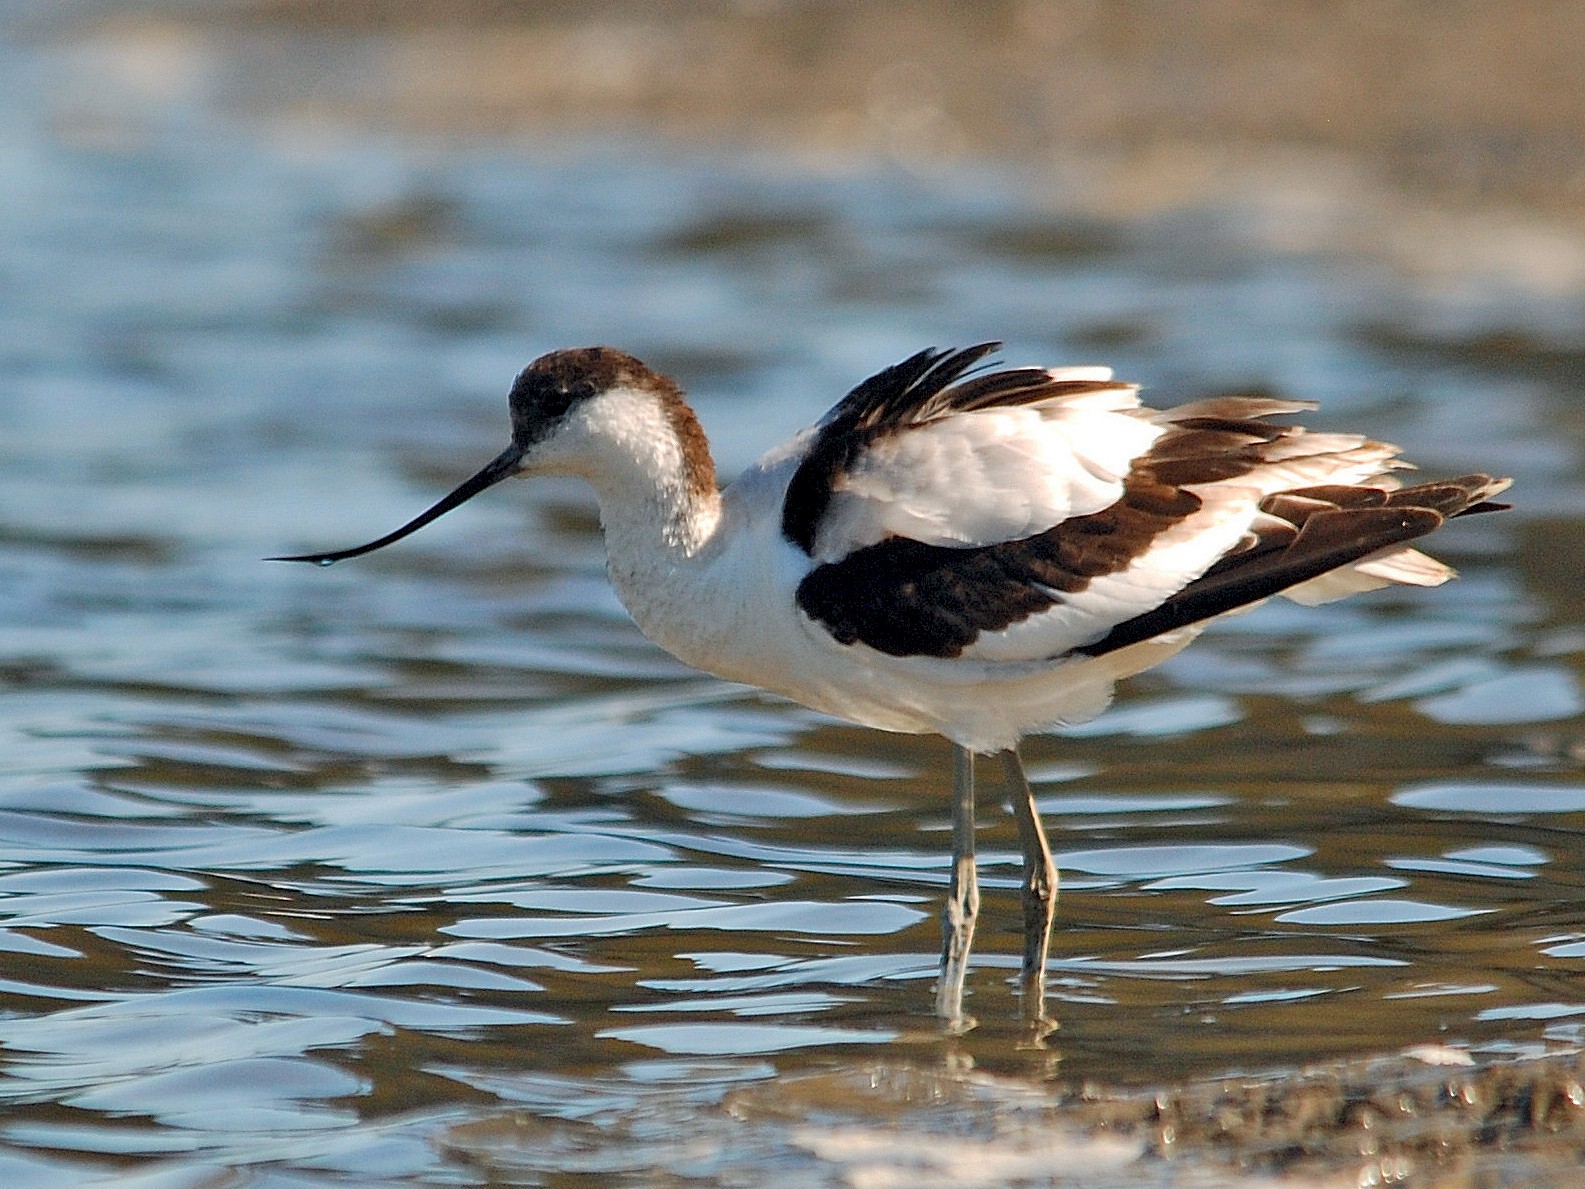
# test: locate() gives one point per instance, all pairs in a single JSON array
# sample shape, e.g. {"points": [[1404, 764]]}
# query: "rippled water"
{"points": [[430, 866]]}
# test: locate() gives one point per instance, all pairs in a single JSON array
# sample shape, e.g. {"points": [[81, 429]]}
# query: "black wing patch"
{"points": [[1312, 531], [906, 598], [920, 389], [909, 599]]}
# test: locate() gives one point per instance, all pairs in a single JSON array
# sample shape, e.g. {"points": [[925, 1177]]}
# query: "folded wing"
{"points": [[1023, 515]]}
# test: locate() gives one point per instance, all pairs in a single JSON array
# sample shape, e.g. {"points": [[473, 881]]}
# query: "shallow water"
{"points": [[429, 866]]}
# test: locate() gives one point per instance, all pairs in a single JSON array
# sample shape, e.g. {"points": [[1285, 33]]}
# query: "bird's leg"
{"points": [[963, 893], [1039, 886]]}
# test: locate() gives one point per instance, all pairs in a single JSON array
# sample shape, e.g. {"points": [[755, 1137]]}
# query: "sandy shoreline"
{"points": [[1460, 103]]}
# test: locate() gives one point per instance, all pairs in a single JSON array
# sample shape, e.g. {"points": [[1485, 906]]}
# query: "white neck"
{"points": [[659, 506], [653, 521]]}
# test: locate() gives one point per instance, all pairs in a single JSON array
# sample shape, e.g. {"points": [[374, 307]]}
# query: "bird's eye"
{"points": [[556, 401]]}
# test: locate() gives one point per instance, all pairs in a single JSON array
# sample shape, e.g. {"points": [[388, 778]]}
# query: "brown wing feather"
{"points": [[907, 598], [1309, 532]]}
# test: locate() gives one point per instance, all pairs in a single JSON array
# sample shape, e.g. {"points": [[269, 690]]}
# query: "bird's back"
{"points": [[1009, 536]]}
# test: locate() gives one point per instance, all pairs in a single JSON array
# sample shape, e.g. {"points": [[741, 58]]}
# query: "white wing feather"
{"points": [[986, 476], [990, 475]]}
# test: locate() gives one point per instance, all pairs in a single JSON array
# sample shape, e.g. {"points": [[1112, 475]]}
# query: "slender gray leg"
{"points": [[1039, 887], [963, 893]]}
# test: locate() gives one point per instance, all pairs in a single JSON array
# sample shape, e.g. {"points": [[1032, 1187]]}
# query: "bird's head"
{"points": [[588, 411]]}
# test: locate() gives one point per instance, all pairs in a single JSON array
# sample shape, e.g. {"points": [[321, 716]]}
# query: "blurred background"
{"points": [[429, 868]]}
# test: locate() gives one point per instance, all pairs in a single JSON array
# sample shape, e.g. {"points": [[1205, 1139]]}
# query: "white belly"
{"points": [[729, 609], [745, 626]]}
